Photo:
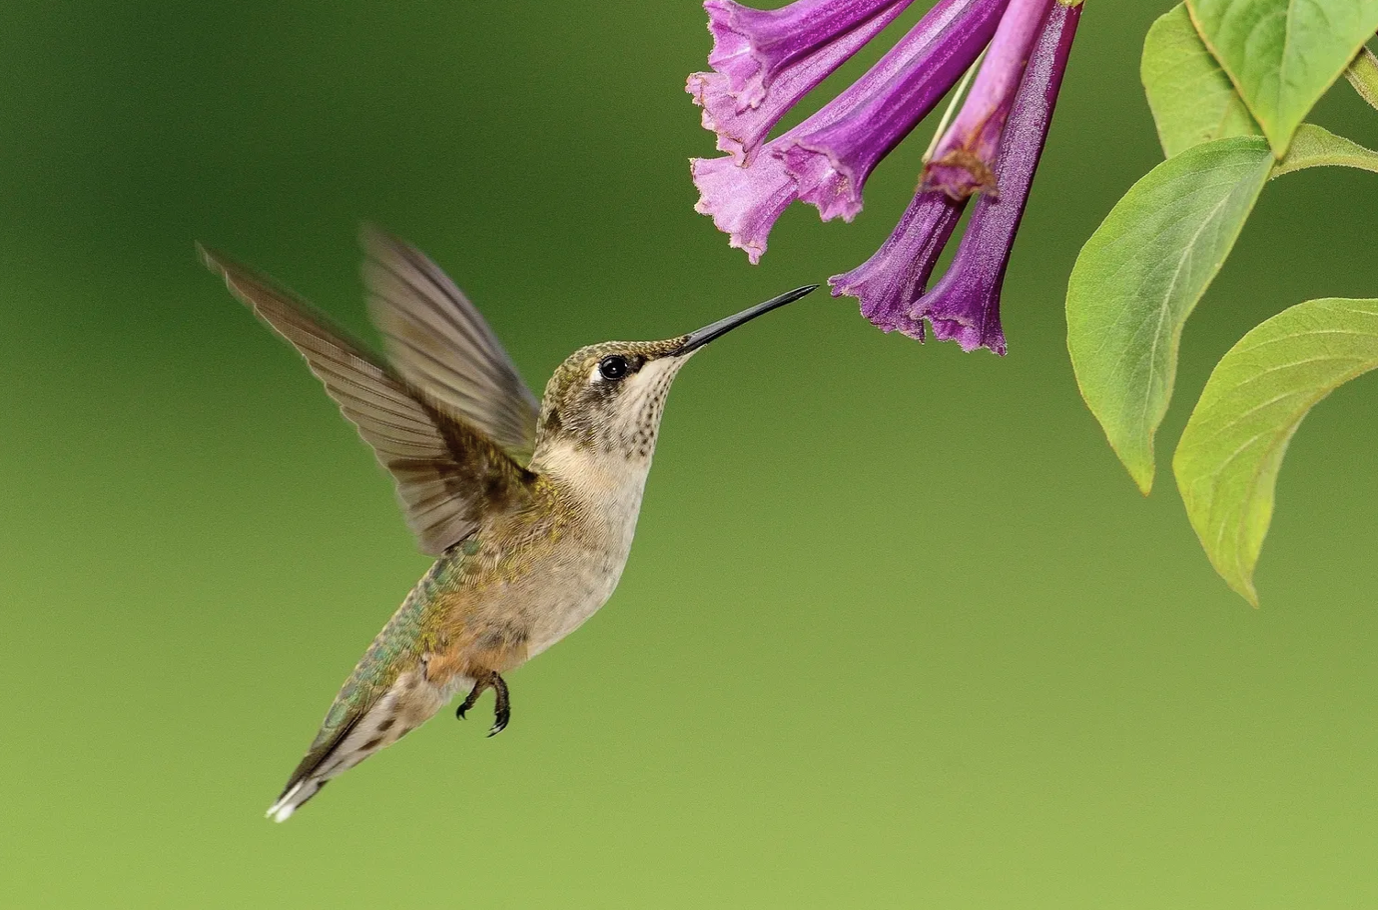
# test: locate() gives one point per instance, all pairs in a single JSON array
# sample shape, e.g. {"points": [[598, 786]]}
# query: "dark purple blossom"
{"points": [[889, 282], [963, 160], [965, 304], [766, 62], [745, 199], [831, 161]]}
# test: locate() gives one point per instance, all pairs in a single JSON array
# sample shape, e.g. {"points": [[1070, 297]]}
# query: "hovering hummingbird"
{"points": [[530, 507]]}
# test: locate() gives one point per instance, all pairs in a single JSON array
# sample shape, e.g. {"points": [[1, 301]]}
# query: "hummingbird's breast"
{"points": [[588, 554], [556, 564], [529, 576]]}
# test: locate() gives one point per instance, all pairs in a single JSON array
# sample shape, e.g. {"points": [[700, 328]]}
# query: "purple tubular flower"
{"points": [[965, 304], [746, 200], [890, 281], [831, 161], [961, 163], [741, 124], [751, 47]]}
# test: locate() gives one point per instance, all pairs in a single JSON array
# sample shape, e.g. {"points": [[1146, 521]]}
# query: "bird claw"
{"points": [[469, 702], [502, 711], [501, 716]]}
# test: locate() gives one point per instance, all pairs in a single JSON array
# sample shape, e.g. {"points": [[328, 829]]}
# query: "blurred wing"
{"points": [[439, 343], [444, 468]]}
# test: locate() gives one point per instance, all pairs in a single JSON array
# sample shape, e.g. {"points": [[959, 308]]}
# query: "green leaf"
{"points": [[1363, 75], [1139, 277], [1227, 462], [1192, 99], [1282, 55], [1314, 146]]}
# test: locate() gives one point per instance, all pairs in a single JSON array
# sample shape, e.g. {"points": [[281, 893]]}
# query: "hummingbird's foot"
{"points": [[502, 711]]}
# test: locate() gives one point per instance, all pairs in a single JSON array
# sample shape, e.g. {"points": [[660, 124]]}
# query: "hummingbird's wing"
{"points": [[446, 470], [440, 343]]}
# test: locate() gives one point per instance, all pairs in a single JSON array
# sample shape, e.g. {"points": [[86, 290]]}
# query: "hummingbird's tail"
{"points": [[355, 729]]}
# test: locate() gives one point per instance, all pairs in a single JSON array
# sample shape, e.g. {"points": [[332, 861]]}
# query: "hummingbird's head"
{"points": [[608, 398]]}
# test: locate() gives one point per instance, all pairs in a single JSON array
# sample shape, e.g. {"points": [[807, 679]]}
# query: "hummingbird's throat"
{"points": [[637, 422], [609, 428]]}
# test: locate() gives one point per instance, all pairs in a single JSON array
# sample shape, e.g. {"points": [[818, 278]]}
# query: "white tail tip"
{"points": [[282, 810]]}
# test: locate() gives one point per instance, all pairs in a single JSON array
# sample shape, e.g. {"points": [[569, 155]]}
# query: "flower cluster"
{"points": [[764, 62]]}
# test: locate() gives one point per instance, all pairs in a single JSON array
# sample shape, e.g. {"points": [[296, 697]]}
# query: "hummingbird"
{"points": [[529, 506]]}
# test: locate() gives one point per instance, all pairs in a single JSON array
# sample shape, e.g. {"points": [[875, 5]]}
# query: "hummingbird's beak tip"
{"points": [[696, 340]]}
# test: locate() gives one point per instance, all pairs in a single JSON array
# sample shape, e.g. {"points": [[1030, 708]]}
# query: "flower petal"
{"points": [[752, 46], [962, 161], [742, 127], [746, 205], [832, 157], [891, 281], [744, 201], [965, 304]]}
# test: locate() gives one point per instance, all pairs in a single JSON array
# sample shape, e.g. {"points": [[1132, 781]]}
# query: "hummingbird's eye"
{"points": [[613, 368]]}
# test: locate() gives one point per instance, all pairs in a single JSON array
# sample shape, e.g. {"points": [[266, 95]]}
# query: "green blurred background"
{"points": [[897, 629]]}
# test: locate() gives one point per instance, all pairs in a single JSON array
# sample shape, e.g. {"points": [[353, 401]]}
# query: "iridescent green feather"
{"points": [[408, 635]]}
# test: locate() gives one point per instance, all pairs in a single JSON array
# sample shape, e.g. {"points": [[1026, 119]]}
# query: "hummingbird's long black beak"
{"points": [[706, 334]]}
